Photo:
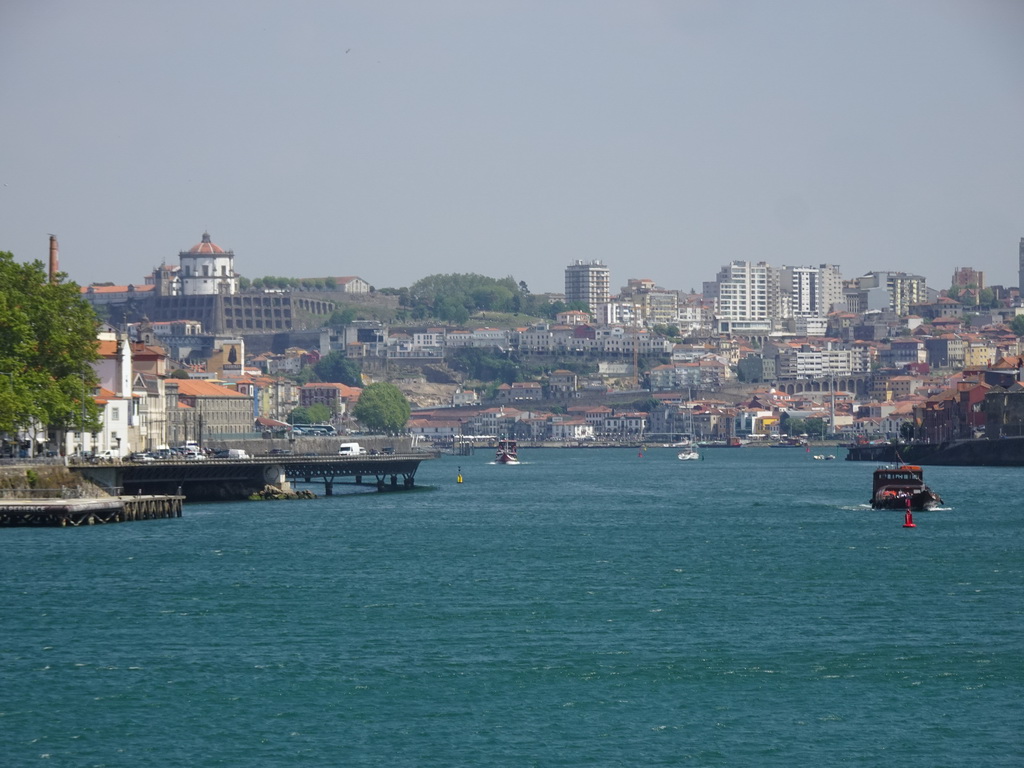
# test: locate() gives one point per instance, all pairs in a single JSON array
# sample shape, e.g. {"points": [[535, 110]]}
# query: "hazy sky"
{"points": [[393, 140]]}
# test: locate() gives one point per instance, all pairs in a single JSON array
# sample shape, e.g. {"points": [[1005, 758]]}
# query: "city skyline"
{"points": [[402, 140], [579, 281]]}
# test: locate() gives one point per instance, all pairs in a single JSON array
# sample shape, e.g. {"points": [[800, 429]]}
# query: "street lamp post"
{"points": [[10, 379]]}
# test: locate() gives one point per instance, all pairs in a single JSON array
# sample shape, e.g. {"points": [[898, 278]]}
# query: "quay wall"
{"points": [[1005, 452]]}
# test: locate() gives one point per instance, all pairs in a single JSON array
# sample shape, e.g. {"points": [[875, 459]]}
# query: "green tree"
{"points": [[382, 408], [318, 413], [795, 426], [452, 310], [1017, 325], [338, 368], [47, 342], [815, 427], [483, 365], [341, 317]]}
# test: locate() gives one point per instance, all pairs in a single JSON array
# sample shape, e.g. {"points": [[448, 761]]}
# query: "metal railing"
{"points": [[43, 493]]}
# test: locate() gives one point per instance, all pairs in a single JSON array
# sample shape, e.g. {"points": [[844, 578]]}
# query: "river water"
{"points": [[590, 607]]}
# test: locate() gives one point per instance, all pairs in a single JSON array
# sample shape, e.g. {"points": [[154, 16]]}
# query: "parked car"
{"points": [[142, 457]]}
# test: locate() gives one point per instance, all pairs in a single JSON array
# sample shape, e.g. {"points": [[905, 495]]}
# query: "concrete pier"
{"points": [[237, 479], [61, 513]]}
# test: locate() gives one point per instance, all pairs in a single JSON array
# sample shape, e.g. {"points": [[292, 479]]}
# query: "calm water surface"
{"points": [[587, 608]]}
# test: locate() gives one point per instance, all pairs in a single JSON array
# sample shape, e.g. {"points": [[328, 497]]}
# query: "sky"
{"points": [[395, 139]]}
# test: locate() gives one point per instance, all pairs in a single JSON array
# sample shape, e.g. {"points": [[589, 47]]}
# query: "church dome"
{"points": [[206, 247]]}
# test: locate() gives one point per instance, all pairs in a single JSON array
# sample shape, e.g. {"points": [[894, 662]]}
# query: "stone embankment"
{"points": [[1007, 452]]}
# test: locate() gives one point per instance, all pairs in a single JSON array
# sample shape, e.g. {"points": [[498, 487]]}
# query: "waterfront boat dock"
{"points": [[61, 513]]}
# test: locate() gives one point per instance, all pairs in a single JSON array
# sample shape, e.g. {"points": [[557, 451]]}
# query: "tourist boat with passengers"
{"points": [[507, 453], [902, 487]]}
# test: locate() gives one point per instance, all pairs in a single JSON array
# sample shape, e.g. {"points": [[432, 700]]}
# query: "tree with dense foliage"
{"points": [[970, 296], [812, 427], [341, 317], [338, 368], [485, 365], [47, 342], [1017, 325], [318, 413], [382, 408], [453, 298]]}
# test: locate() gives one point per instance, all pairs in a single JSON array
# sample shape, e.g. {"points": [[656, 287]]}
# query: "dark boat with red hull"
{"points": [[893, 487], [507, 453]]}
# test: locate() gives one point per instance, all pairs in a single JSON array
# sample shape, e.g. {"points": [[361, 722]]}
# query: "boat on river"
{"points": [[687, 448], [507, 452], [902, 487]]}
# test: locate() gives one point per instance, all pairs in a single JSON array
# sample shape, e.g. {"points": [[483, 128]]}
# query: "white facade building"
{"points": [[811, 291], [207, 270], [589, 282], [747, 298]]}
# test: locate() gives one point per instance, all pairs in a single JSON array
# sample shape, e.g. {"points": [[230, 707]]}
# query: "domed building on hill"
{"points": [[207, 269], [204, 288]]}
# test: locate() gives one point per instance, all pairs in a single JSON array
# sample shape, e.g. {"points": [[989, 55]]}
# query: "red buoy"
{"points": [[908, 521]]}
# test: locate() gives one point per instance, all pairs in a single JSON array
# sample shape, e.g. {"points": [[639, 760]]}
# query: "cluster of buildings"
{"points": [[866, 354], [147, 402], [935, 409], [203, 287]]}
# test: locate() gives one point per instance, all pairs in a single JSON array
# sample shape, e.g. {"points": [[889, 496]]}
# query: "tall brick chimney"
{"points": [[53, 259]]}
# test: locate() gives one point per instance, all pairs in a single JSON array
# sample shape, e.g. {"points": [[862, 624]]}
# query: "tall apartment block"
{"points": [[811, 291], [1020, 266], [589, 282], [877, 291], [748, 298]]}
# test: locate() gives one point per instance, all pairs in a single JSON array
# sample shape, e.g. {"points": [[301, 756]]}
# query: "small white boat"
{"points": [[688, 454]]}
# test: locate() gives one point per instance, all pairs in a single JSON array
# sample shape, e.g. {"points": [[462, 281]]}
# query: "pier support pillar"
{"points": [[328, 488]]}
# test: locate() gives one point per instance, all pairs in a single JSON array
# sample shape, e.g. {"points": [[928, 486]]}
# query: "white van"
{"points": [[351, 449], [231, 453]]}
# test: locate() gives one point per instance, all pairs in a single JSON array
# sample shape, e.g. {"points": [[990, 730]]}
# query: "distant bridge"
{"points": [[227, 479]]}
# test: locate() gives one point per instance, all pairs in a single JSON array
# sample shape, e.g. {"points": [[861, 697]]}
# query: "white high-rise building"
{"points": [[589, 282], [897, 291], [747, 298], [1020, 266], [811, 291]]}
